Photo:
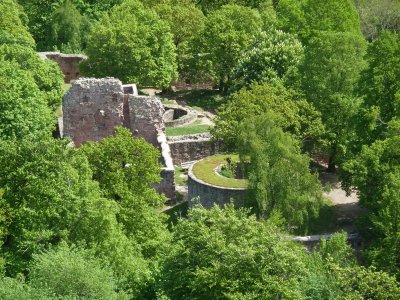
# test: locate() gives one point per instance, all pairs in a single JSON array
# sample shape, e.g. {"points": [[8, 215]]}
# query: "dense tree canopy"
{"points": [[23, 107], [132, 44], [377, 16], [68, 28], [272, 55], [13, 29], [279, 176], [47, 74], [288, 109], [227, 33], [375, 173]]}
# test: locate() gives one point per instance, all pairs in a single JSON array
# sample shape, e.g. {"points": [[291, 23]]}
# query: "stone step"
{"points": [[187, 164]]}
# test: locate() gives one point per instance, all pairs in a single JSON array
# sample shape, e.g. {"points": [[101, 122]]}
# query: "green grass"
{"points": [[204, 170], [189, 129], [66, 87], [209, 100], [178, 211], [179, 180]]}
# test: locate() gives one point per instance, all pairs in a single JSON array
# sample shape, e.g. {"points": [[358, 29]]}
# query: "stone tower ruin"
{"points": [[92, 108]]}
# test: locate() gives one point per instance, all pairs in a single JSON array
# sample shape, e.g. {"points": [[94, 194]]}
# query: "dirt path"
{"points": [[346, 208]]}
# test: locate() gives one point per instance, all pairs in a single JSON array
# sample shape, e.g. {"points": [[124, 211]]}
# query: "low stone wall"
{"points": [[310, 242], [192, 147], [178, 116], [167, 184], [68, 63], [200, 192]]}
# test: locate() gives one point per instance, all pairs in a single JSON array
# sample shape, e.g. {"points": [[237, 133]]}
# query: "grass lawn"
{"points": [[190, 129], [204, 170], [179, 180]]}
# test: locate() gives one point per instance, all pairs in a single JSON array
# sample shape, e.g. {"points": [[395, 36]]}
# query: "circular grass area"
{"points": [[205, 171]]}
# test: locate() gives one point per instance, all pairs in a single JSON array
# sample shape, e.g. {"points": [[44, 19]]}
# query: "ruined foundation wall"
{"points": [[192, 147], [68, 63], [146, 117], [200, 192], [92, 108]]}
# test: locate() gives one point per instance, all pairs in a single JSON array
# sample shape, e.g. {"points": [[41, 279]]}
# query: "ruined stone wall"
{"points": [[92, 108], [146, 117], [200, 192], [192, 147], [68, 63], [167, 184]]}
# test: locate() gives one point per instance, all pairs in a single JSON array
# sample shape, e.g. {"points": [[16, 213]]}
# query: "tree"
{"points": [[331, 68], [290, 112], [377, 16], [209, 6], [47, 74], [307, 17], [13, 29], [132, 44], [279, 176], [226, 35], [67, 272], [23, 107], [68, 28], [225, 254], [126, 169], [375, 174], [379, 82], [272, 55], [185, 21], [50, 197]]}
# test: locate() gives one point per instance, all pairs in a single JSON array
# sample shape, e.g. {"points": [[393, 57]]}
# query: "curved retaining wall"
{"points": [[207, 194], [178, 116]]}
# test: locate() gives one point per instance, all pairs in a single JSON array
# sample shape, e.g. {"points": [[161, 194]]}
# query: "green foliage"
{"points": [[272, 55], [185, 21], [375, 173], [72, 273], [209, 6], [126, 169], [288, 109], [377, 16], [47, 74], [279, 176], [132, 44], [224, 254], [13, 29], [17, 289], [334, 15], [43, 19], [333, 61], [50, 197], [124, 165], [23, 107], [226, 35], [68, 28], [307, 17], [331, 68], [380, 82]]}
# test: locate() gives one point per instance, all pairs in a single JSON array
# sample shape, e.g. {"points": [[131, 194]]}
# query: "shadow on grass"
{"points": [[209, 100], [177, 212]]}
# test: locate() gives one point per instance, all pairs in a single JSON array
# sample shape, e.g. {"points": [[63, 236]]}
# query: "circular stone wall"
{"points": [[204, 190], [175, 116]]}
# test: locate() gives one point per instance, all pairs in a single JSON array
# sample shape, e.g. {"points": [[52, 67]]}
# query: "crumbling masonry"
{"points": [[92, 108]]}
